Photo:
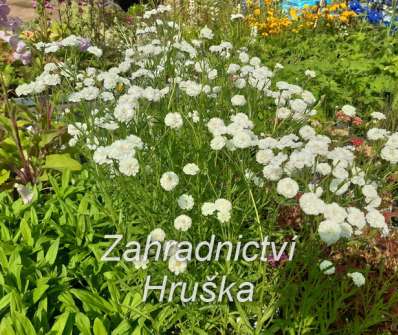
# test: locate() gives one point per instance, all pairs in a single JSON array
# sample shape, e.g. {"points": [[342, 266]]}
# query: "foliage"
{"points": [[272, 20]]}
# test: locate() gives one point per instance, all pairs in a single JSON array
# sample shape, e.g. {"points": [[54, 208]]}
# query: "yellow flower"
{"points": [[293, 13]]}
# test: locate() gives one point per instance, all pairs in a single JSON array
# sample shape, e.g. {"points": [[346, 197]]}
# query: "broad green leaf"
{"points": [[4, 175], [83, 324], [6, 327], [48, 137], [62, 162], [99, 328]]}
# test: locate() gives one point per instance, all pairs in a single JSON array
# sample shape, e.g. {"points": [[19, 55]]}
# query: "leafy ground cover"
{"points": [[156, 127]]}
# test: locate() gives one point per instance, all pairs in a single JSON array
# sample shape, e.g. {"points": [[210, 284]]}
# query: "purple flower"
{"points": [[20, 46], [25, 57], [14, 23], [84, 44], [4, 9], [275, 262]]}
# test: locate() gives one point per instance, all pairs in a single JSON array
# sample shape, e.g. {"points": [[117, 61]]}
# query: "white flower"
{"points": [[176, 266], [157, 234], [375, 134], [264, 156], [311, 204], [378, 116], [370, 192], [346, 230], [240, 83], [390, 154], [206, 33], [223, 205], [329, 231], [287, 187], [140, 263], [323, 168], [334, 212], [218, 142], [242, 140], [356, 217], [186, 201], [129, 166], [357, 278], [307, 132], [393, 141], [216, 126], [191, 169], [182, 222], [173, 120], [375, 219], [244, 57], [349, 110], [223, 217], [272, 172], [238, 100], [233, 68], [24, 89], [327, 267], [212, 74], [100, 156], [298, 106], [237, 17], [26, 193], [208, 208], [169, 180], [283, 113], [310, 73], [97, 52]]}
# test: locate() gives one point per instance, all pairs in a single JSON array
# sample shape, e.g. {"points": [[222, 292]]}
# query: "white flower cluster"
{"points": [[310, 151], [390, 149], [123, 152], [222, 207], [46, 79], [305, 160], [237, 135]]}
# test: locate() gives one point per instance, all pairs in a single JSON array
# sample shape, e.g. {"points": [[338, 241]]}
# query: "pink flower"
{"points": [[357, 121]]}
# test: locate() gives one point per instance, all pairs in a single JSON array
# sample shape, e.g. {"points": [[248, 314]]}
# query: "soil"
{"points": [[22, 9]]}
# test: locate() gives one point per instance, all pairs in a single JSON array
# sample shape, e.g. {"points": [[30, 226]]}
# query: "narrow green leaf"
{"points": [[26, 232], [52, 252]]}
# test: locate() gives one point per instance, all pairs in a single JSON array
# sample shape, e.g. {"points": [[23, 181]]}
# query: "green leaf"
{"points": [[39, 291], [83, 324], [62, 162], [5, 301], [63, 325], [99, 328], [123, 328], [4, 175], [23, 325], [52, 252], [26, 232], [92, 301], [48, 137]]}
